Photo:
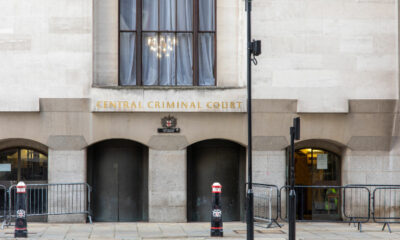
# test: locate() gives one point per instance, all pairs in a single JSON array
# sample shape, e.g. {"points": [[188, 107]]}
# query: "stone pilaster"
{"points": [[167, 185]]}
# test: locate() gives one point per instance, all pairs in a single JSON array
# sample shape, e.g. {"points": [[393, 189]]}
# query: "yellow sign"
{"points": [[168, 106]]}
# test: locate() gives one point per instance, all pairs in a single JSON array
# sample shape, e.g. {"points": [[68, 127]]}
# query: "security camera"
{"points": [[256, 47]]}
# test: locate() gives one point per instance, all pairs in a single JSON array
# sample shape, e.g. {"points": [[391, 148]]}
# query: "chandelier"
{"points": [[162, 46]]}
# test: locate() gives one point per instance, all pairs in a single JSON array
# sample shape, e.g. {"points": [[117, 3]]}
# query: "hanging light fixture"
{"points": [[162, 46]]}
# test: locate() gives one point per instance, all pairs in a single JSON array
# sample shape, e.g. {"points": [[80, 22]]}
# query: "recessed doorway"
{"points": [[215, 161], [318, 167], [117, 171]]}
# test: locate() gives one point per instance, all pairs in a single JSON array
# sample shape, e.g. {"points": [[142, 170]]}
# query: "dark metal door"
{"points": [[106, 185], [214, 162], [116, 183], [129, 168]]}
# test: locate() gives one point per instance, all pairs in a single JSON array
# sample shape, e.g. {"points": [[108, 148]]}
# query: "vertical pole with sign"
{"points": [[294, 135], [21, 227]]}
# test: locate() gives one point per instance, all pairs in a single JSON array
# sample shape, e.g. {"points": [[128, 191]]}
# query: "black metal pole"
{"points": [[250, 219], [292, 194]]}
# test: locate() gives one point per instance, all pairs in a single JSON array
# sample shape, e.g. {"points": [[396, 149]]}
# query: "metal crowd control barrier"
{"points": [[384, 196], [347, 204], [52, 199], [386, 205], [352, 203], [266, 198]]}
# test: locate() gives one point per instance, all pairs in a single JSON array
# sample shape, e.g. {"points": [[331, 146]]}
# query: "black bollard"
{"points": [[216, 216], [21, 227]]}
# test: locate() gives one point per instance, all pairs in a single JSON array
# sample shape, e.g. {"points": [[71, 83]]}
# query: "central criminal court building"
{"points": [[145, 100]]}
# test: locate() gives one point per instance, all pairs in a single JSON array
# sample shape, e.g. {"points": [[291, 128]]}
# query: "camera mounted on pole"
{"points": [[255, 49]]}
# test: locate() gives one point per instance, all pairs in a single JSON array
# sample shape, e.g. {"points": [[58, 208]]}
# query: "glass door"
{"points": [[317, 167], [325, 172]]}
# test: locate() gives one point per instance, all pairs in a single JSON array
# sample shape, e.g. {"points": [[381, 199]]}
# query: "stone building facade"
{"points": [[333, 63]]}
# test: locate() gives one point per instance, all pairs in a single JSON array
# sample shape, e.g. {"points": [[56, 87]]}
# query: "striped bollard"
{"points": [[216, 216], [21, 227]]}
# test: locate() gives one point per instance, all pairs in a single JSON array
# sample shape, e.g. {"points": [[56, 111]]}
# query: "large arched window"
{"points": [[22, 164], [167, 42]]}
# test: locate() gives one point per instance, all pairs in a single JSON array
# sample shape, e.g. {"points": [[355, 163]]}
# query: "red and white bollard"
{"points": [[21, 227], [216, 216]]}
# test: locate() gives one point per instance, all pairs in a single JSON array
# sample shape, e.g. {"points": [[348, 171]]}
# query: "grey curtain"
{"points": [[128, 15], [167, 60], [150, 15], [167, 15], [127, 59], [185, 60], [206, 15], [185, 15], [206, 42], [170, 64], [206, 59], [149, 61], [166, 64]]}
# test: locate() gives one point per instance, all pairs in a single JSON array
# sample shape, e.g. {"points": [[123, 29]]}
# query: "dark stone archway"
{"points": [[215, 161], [117, 171]]}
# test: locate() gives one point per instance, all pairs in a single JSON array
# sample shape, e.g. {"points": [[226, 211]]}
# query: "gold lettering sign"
{"points": [[168, 106]]}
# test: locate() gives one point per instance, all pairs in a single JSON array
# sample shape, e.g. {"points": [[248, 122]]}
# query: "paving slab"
{"points": [[198, 231]]}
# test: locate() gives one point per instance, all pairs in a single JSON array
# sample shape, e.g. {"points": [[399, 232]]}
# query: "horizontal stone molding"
{"points": [[373, 106], [274, 105], [66, 142], [269, 143], [370, 143], [168, 142], [64, 104]]}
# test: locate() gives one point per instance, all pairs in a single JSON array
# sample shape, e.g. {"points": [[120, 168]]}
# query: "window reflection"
{"points": [[21, 164], [7, 158], [33, 165]]}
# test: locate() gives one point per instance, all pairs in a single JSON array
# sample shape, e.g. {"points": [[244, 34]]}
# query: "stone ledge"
{"points": [[269, 143], [168, 142], [370, 143], [372, 106], [66, 142], [166, 87], [64, 104]]}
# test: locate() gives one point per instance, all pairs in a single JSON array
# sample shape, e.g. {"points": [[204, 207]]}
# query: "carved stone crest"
{"points": [[168, 124]]}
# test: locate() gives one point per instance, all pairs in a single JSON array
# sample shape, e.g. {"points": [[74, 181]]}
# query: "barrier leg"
{"points": [[386, 224], [276, 222], [270, 224]]}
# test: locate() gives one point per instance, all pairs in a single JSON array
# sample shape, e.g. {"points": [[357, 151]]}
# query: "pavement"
{"points": [[198, 231]]}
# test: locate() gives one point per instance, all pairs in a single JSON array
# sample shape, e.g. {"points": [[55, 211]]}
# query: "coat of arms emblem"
{"points": [[168, 122], [169, 125]]}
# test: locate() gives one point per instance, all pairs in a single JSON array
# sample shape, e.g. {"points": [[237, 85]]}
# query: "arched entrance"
{"points": [[317, 167], [215, 161], [118, 170], [28, 165]]}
